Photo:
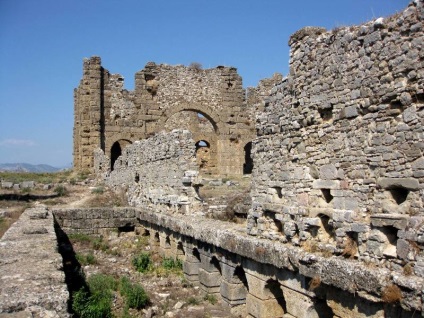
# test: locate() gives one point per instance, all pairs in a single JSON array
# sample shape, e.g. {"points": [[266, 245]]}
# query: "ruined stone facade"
{"points": [[210, 103]]}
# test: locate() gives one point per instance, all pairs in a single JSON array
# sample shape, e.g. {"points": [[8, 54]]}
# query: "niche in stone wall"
{"points": [[326, 114], [326, 194], [326, 231], [382, 241], [116, 151], [398, 194], [248, 161], [273, 288]]}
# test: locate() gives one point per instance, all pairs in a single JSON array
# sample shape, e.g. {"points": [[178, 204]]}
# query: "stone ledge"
{"points": [[31, 277]]}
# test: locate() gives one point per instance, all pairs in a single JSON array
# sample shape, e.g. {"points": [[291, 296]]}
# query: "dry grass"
{"points": [[391, 294], [107, 198], [14, 214], [350, 249], [314, 283], [408, 269]]}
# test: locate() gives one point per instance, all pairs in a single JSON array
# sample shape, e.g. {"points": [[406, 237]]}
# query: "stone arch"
{"points": [[208, 113], [116, 150]]}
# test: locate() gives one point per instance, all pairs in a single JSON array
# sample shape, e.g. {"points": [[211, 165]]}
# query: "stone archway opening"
{"points": [[116, 151], [203, 155], [248, 161]]}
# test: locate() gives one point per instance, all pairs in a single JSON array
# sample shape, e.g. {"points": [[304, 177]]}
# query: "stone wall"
{"points": [[339, 165], [95, 220], [32, 281], [258, 277], [165, 97], [158, 173]]}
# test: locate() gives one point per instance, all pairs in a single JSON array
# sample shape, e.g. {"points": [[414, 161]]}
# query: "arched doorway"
{"points": [[248, 161], [116, 151], [203, 155]]}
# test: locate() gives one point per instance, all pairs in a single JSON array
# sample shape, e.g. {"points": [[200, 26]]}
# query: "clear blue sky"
{"points": [[43, 42]]}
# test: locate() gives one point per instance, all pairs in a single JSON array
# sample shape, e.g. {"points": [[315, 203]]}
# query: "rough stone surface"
{"points": [[32, 283], [341, 140]]}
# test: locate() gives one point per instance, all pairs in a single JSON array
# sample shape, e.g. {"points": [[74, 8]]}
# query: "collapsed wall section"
{"points": [[339, 165], [157, 173]]}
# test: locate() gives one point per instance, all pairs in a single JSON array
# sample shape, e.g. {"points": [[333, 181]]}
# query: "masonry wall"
{"points": [[32, 280], [209, 102], [339, 165], [157, 173]]}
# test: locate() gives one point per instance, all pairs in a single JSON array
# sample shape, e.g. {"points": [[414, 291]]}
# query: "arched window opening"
{"points": [[115, 152], [203, 154], [248, 161]]}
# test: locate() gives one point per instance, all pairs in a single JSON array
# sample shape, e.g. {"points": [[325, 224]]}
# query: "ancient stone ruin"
{"points": [[211, 103], [336, 221]]}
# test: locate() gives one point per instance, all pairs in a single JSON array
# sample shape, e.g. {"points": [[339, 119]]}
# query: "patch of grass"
{"points": [[45, 178], [350, 248], [211, 298], [98, 190], [172, 264], [408, 269], [96, 301], [108, 199], [99, 244], [61, 191], [79, 237], [134, 294], [26, 190], [86, 259], [193, 301], [314, 283], [142, 262], [391, 294]]}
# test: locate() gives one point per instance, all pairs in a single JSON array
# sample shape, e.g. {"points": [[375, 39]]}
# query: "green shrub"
{"points": [[88, 259], [61, 191], [210, 298], [98, 244], [135, 296], [26, 190], [98, 190], [193, 301], [99, 282], [142, 262], [171, 263], [79, 237], [96, 302]]}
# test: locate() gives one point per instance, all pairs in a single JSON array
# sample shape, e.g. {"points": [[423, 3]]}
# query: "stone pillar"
{"points": [[209, 273], [191, 264], [233, 290], [265, 298], [165, 244]]}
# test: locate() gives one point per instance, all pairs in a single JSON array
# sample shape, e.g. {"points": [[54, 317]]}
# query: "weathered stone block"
{"points": [[209, 279], [233, 292], [191, 268], [259, 308], [407, 183], [398, 221]]}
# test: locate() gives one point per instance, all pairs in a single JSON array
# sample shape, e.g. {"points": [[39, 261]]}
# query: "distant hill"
{"points": [[26, 167]]}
